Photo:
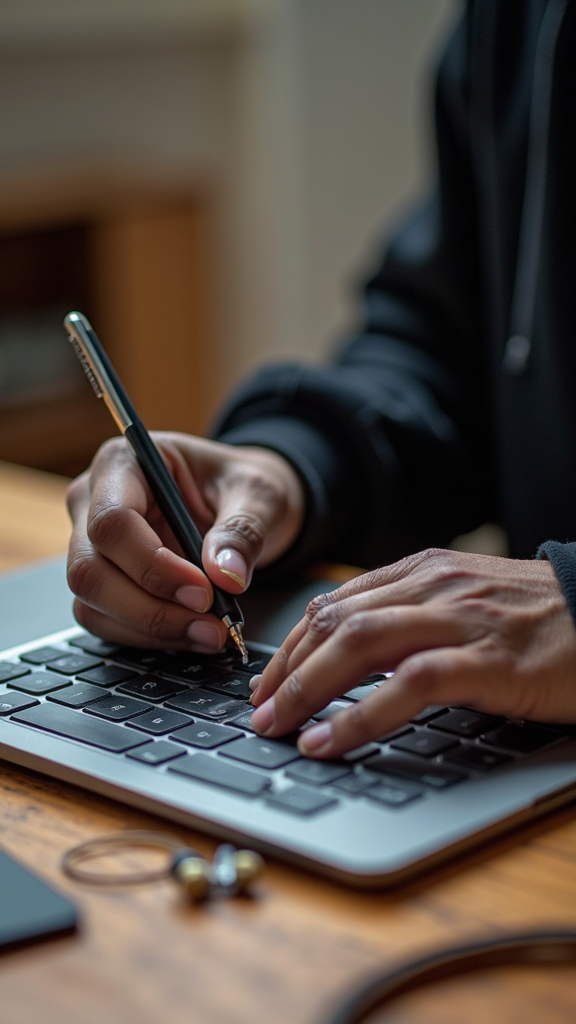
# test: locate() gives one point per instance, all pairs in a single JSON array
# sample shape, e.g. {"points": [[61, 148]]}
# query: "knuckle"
{"points": [[281, 659], [74, 491], [293, 691], [152, 580], [156, 621], [244, 531], [356, 629], [105, 525], [85, 617], [110, 448], [439, 559], [423, 674], [437, 554], [82, 577], [324, 623], [267, 490], [317, 604], [443, 567]]}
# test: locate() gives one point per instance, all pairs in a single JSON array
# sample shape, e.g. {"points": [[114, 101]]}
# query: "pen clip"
{"points": [[94, 363], [86, 366]]}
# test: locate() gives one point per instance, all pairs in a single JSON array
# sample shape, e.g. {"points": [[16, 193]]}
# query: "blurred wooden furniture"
{"points": [[135, 256], [34, 522], [292, 952]]}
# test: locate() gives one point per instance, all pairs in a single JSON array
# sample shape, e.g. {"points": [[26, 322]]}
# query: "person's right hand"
{"points": [[131, 581]]}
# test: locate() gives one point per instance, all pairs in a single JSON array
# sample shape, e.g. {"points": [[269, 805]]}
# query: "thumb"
{"points": [[232, 548], [259, 514]]}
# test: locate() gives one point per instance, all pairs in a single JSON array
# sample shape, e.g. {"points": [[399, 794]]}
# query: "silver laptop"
{"points": [[171, 734]]}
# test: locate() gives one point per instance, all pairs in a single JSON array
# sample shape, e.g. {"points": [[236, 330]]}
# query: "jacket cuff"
{"points": [[563, 560]]}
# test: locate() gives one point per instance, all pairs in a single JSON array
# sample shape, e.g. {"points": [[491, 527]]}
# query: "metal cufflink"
{"points": [[230, 873]]}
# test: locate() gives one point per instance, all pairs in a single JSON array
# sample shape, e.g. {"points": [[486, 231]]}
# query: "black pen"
{"points": [[106, 385]]}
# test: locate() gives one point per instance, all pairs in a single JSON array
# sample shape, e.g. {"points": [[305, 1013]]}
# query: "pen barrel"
{"points": [[176, 512]]}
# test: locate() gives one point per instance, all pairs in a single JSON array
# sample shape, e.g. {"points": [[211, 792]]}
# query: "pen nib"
{"points": [[236, 634]]}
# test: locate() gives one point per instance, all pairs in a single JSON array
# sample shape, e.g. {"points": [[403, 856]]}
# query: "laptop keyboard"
{"points": [[189, 715]]}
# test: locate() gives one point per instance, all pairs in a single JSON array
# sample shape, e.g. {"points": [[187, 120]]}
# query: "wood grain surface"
{"points": [[293, 951]]}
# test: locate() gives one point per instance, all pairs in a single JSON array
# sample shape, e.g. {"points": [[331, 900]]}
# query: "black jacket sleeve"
{"points": [[391, 439], [563, 560]]}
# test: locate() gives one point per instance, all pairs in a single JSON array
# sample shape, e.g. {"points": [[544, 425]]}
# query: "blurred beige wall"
{"points": [[308, 118]]}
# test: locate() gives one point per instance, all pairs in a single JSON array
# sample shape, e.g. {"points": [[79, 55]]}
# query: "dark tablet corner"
{"points": [[30, 910]]}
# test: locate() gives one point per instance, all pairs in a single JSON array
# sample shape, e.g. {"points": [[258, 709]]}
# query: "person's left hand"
{"points": [[455, 628]]}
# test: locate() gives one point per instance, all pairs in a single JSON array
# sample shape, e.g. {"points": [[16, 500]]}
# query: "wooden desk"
{"points": [[143, 957]]}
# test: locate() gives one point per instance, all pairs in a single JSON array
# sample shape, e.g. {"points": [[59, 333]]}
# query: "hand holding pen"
{"points": [[130, 585]]}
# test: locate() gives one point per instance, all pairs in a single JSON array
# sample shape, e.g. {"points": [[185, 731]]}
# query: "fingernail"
{"points": [[233, 565], [315, 739], [255, 683], [205, 634], [263, 718], [195, 598]]}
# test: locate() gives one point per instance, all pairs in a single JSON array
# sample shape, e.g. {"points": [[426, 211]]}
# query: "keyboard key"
{"points": [[11, 701], [10, 671], [257, 661], [77, 695], [361, 691], [187, 669], [117, 709], [156, 753], [299, 800], [94, 645], [216, 772], [436, 776], [229, 659], [206, 735], [71, 664], [76, 725], [332, 709], [41, 655], [233, 685], [356, 783], [205, 704], [394, 793], [479, 758], [317, 773], [143, 657], [463, 722], [361, 753], [243, 720], [423, 742], [521, 737], [389, 736], [428, 713], [152, 688], [107, 675], [157, 722], [261, 752], [225, 660], [40, 682]]}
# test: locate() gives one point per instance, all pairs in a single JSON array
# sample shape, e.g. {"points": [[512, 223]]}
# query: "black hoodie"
{"points": [[455, 404]]}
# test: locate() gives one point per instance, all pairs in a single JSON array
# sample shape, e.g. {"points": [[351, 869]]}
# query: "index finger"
{"points": [[114, 514], [360, 646], [327, 612]]}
